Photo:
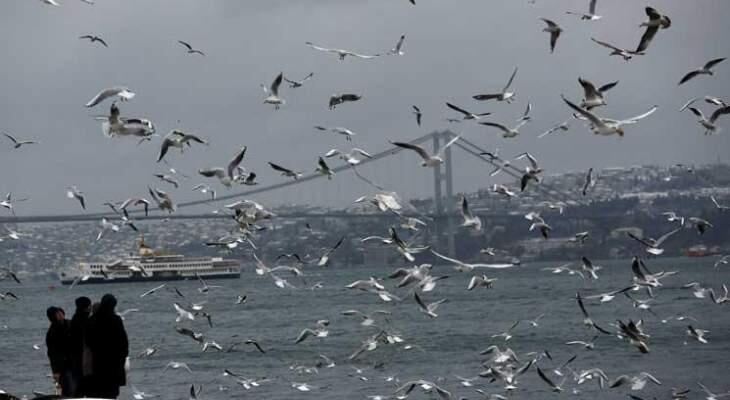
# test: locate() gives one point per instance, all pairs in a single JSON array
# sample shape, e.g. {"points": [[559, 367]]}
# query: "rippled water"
{"points": [[445, 346]]}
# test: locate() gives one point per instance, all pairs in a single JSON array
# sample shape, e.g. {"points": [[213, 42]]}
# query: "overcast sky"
{"points": [[453, 50]]}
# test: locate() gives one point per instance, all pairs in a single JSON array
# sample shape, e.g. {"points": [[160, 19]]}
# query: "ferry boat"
{"points": [[151, 265]]}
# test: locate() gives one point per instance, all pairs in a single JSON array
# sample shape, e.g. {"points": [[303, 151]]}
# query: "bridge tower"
{"points": [[443, 196]]}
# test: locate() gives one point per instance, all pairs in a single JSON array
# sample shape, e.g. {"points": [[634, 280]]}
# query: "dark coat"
{"points": [[109, 346], [57, 343], [78, 327]]}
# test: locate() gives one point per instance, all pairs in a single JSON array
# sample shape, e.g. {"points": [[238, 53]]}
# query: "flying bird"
{"points": [[285, 171], [627, 55], [428, 159], [396, 51], [342, 53], [467, 114], [74, 193], [177, 139], [506, 132], [417, 112], [555, 30], [592, 96], [605, 126], [122, 92], [300, 83], [337, 99], [656, 21], [709, 124], [591, 15], [94, 38], [190, 48], [504, 95], [274, 98], [18, 143], [704, 70]]}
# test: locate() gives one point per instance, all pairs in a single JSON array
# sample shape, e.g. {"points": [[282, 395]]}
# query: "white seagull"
{"points": [[704, 70], [122, 92], [274, 98], [592, 96], [467, 115], [591, 16], [428, 159], [342, 53], [554, 29], [504, 95], [605, 126], [17, 143]]}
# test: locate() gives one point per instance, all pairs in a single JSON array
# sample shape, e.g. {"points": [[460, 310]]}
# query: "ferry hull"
{"points": [[154, 278]]}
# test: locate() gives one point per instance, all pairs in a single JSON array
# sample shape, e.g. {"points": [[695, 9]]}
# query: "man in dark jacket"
{"points": [[109, 347], [57, 342], [79, 351]]}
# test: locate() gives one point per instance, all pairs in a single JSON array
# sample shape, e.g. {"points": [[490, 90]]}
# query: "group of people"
{"points": [[88, 353]]}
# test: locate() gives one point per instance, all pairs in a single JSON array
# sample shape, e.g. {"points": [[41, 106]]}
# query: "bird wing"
{"points": [[236, 161], [589, 115], [646, 38], [164, 147], [719, 112], [608, 45], [448, 144], [545, 378], [714, 62], [637, 118], [511, 78], [280, 168], [312, 45], [550, 23], [607, 86], [211, 172], [455, 108], [362, 152], [499, 126], [418, 149], [420, 302], [465, 208], [640, 240], [589, 90], [689, 76], [10, 137], [275, 84], [443, 257], [322, 164], [186, 44], [666, 236], [100, 40], [698, 113]]}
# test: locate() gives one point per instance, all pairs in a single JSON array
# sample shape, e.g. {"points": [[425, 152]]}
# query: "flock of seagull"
{"points": [[502, 367]]}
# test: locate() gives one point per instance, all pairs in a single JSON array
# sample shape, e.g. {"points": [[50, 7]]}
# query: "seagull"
{"points": [[480, 281], [135, 202], [504, 95], [176, 365], [698, 334], [351, 157], [8, 202], [396, 51], [342, 53], [704, 70], [94, 38], [428, 159], [608, 296], [168, 178], [417, 112], [74, 193], [274, 98], [114, 125], [367, 319], [153, 290], [348, 134], [51, 3], [590, 268], [586, 345], [718, 205], [556, 388], [593, 97], [430, 308], [589, 182], [607, 127], [470, 220], [228, 175], [203, 188], [426, 386], [467, 115], [122, 92], [465, 267], [700, 224], [285, 171], [653, 245], [637, 382], [506, 132], [591, 16], [325, 258], [656, 21], [320, 331], [18, 143], [163, 200], [296, 84], [106, 226], [190, 48], [507, 335], [554, 29], [723, 260], [709, 124], [615, 51], [182, 313], [634, 334], [177, 139], [587, 319], [710, 395], [503, 190], [673, 217], [337, 99], [563, 126]]}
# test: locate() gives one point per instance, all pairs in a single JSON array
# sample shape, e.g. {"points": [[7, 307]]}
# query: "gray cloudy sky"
{"points": [[454, 49]]}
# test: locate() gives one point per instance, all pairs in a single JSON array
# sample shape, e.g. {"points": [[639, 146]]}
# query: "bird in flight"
{"points": [[190, 48], [94, 38]]}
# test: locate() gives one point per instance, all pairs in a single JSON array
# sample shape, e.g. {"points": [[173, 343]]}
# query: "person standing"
{"points": [[58, 345], [109, 347], [80, 353]]}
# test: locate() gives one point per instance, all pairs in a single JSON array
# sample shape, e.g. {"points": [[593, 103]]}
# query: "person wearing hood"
{"points": [[58, 345], [80, 354], [107, 340]]}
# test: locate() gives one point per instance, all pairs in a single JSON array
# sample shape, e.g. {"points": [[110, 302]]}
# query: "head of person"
{"points": [[108, 302], [83, 304], [51, 313]]}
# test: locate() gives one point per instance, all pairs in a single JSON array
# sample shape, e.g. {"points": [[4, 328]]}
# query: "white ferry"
{"points": [[150, 265]]}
